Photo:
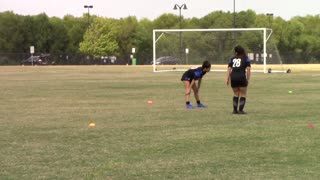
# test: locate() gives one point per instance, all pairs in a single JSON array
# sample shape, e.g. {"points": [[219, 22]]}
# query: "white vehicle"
{"points": [[167, 60]]}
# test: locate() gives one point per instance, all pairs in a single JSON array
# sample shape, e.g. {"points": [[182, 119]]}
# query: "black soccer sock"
{"points": [[198, 102], [242, 103], [188, 102], [235, 103]]}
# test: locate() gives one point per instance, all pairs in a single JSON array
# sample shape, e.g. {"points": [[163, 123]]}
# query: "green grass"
{"points": [[45, 114]]}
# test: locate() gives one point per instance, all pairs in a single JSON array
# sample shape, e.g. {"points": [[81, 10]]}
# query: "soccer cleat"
{"points": [[235, 112], [242, 112], [201, 105], [189, 106]]}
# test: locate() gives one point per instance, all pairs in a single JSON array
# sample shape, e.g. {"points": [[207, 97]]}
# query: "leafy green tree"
{"points": [[309, 40], [127, 37], [101, 38], [59, 36], [245, 19], [298, 39], [59, 39], [193, 23], [28, 33], [167, 21], [290, 38], [11, 36], [144, 41], [76, 28], [41, 33], [217, 19]]}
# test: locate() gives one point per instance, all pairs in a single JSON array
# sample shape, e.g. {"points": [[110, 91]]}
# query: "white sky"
{"points": [[152, 9]]}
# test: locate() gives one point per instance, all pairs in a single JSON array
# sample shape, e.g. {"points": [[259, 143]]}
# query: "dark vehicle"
{"points": [[37, 60], [167, 60]]}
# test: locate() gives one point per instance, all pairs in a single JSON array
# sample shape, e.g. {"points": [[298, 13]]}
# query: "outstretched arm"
{"points": [[199, 83]]}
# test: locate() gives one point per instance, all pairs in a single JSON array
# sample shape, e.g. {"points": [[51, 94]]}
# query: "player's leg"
{"points": [[235, 84], [243, 95], [235, 99], [187, 94], [196, 92], [196, 95], [236, 91]]}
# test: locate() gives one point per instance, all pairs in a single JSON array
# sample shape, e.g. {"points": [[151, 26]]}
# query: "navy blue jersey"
{"points": [[238, 73], [239, 65], [191, 74]]}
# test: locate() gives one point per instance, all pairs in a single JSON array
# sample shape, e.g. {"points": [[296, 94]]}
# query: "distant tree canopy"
{"points": [[298, 39], [100, 38]]}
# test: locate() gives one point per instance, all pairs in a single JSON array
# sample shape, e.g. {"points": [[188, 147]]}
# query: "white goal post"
{"points": [[178, 49]]}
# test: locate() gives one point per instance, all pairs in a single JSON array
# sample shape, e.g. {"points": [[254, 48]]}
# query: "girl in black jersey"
{"points": [[189, 78], [239, 71]]}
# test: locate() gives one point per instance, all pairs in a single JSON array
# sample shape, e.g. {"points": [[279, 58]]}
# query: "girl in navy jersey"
{"points": [[239, 71], [189, 79]]}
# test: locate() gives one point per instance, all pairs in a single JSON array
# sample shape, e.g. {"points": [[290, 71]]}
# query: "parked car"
{"points": [[167, 60], [37, 60]]}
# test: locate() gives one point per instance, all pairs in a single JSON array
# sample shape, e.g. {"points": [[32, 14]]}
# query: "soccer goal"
{"points": [[181, 49]]}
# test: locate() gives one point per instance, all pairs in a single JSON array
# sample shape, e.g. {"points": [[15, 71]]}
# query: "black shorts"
{"points": [[186, 77], [239, 81]]}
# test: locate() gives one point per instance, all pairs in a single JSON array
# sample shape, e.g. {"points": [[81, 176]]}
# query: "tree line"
{"points": [[89, 39]]}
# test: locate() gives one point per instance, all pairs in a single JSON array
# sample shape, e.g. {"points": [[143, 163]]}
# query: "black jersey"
{"points": [[238, 73], [191, 74], [239, 65]]}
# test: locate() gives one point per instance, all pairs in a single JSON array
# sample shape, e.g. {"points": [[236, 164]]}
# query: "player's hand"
{"points": [[227, 82]]}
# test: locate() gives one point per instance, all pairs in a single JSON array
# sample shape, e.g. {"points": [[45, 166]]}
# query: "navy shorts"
{"points": [[186, 77], [238, 81]]}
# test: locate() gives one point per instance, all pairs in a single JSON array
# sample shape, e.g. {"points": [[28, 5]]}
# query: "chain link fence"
{"points": [[59, 59], [81, 59]]}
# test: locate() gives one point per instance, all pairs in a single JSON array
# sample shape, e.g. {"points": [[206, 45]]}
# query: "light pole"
{"points": [[234, 13], [182, 6], [270, 15], [88, 7]]}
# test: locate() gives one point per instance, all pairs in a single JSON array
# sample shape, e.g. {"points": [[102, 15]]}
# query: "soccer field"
{"points": [[45, 114]]}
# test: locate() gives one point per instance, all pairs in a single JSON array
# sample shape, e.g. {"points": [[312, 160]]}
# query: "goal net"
{"points": [[181, 49]]}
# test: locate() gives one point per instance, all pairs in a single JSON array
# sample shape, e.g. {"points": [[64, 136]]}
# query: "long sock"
{"points": [[235, 103], [187, 102], [242, 103]]}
